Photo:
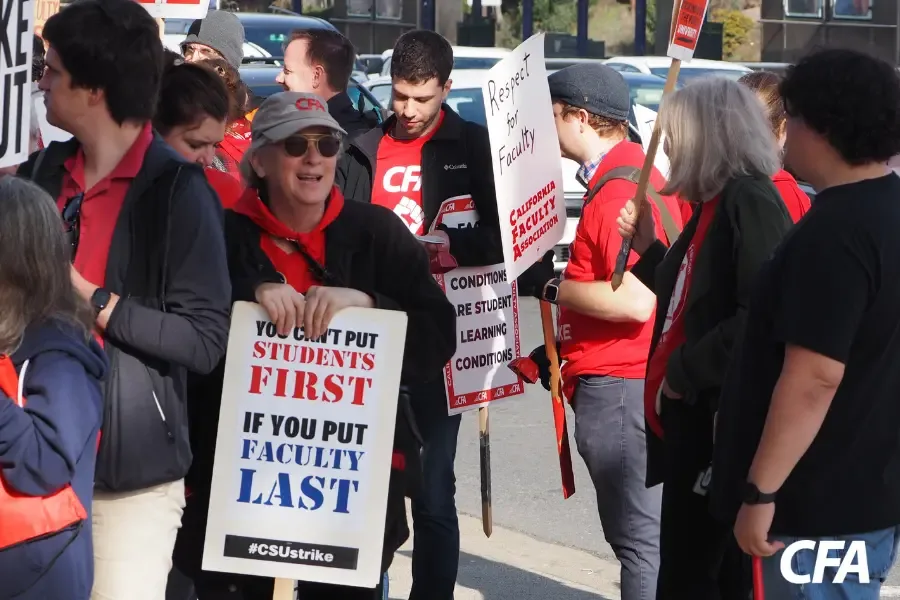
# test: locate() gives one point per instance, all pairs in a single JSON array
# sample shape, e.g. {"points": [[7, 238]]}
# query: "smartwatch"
{"points": [[551, 291], [753, 496], [100, 299]]}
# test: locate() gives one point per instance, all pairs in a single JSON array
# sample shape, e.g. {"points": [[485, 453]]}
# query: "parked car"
{"points": [[260, 78], [659, 66], [464, 57]]}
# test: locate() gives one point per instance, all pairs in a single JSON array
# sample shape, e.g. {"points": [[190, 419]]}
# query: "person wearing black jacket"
{"points": [[146, 233], [303, 253], [723, 155], [423, 155]]}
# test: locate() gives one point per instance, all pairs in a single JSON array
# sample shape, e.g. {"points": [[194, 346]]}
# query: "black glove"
{"points": [[535, 278]]}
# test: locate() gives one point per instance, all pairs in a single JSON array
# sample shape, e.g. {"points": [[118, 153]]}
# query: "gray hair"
{"points": [[715, 130], [35, 279], [248, 173]]}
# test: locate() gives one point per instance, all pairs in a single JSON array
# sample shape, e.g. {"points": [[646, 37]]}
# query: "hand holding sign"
{"points": [[637, 226]]}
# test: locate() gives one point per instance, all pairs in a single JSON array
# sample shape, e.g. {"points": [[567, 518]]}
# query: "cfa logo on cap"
{"points": [[309, 104]]}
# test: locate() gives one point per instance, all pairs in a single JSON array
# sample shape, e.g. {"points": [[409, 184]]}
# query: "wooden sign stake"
{"points": [[284, 589], [484, 438], [559, 408]]}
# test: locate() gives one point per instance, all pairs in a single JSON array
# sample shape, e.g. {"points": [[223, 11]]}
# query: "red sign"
{"points": [[686, 31]]}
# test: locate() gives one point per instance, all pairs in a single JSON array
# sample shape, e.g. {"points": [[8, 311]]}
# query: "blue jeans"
{"points": [[609, 433], [881, 551], [435, 559]]}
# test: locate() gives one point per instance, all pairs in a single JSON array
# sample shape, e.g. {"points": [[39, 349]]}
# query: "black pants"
{"points": [[699, 557]]}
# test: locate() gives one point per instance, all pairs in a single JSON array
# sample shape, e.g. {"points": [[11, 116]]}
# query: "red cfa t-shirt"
{"points": [[398, 178], [795, 200], [227, 188], [591, 346], [673, 334]]}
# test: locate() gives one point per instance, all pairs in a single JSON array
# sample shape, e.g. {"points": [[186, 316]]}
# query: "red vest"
{"points": [[24, 517]]}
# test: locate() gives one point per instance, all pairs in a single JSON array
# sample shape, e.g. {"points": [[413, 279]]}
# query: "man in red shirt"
{"points": [[149, 257], [605, 335]]}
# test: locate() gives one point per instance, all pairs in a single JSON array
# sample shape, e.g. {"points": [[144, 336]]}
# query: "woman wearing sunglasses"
{"points": [[303, 253]]}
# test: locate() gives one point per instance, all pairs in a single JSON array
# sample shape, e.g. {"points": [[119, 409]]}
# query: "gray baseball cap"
{"points": [[283, 114]]}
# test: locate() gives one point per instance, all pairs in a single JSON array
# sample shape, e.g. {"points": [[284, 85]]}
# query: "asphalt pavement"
{"points": [[526, 485]]}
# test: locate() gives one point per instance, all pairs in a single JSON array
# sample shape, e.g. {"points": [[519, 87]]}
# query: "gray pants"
{"points": [[609, 433]]}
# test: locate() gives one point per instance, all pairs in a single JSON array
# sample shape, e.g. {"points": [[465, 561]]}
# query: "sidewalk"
{"points": [[513, 566]]}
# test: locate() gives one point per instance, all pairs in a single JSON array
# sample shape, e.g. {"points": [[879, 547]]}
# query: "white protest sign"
{"points": [[487, 324], [304, 446], [526, 158], [646, 119], [15, 81], [176, 9]]}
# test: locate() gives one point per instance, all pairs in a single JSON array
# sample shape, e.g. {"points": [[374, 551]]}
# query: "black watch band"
{"points": [[753, 496], [551, 291], [100, 299]]}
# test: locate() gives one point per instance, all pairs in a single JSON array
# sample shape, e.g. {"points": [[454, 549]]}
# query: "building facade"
{"points": [[793, 28]]}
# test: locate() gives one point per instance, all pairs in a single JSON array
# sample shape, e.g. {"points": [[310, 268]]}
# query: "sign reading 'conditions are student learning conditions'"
{"points": [[526, 159], [487, 324], [304, 445], [15, 80]]}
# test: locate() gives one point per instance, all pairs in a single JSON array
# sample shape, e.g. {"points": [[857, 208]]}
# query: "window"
{"points": [[852, 9], [364, 102], [646, 95], [382, 93], [624, 68], [804, 8], [688, 74], [388, 9], [263, 36], [359, 8], [468, 103]]}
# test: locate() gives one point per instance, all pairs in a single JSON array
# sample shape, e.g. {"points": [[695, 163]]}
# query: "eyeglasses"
{"points": [[71, 216], [326, 144], [203, 52]]}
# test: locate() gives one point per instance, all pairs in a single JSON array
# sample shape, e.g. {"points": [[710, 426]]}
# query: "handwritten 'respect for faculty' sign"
{"points": [[303, 452], [487, 324], [526, 159], [176, 9], [687, 24], [15, 80]]}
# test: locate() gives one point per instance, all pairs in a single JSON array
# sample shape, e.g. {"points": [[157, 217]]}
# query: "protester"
{"points": [[405, 165], [50, 447], [237, 131], [806, 440], [304, 254], [605, 334], [765, 85], [723, 155], [220, 36], [42, 133], [149, 256], [191, 117], [320, 61]]}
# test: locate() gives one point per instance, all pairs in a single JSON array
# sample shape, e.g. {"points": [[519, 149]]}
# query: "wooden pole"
{"points": [[641, 193], [559, 408], [484, 437], [284, 589]]}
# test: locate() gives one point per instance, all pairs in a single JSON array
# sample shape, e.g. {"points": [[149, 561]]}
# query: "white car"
{"points": [[659, 66], [464, 57]]}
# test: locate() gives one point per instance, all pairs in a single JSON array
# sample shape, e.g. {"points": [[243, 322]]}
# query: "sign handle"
{"points": [[759, 592], [284, 589], [484, 437], [559, 409], [644, 180]]}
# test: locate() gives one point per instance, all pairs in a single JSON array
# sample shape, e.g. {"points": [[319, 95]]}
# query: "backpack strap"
{"points": [[37, 164], [633, 174]]}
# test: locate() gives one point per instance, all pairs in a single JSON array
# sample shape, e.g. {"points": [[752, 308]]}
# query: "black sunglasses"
{"points": [[71, 216], [326, 144]]}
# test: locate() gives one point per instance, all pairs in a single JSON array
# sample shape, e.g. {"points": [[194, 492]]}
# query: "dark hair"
{"points": [[37, 58], [114, 46], [238, 96], [765, 85], [189, 93], [850, 98], [420, 56], [35, 280], [330, 49], [171, 58]]}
